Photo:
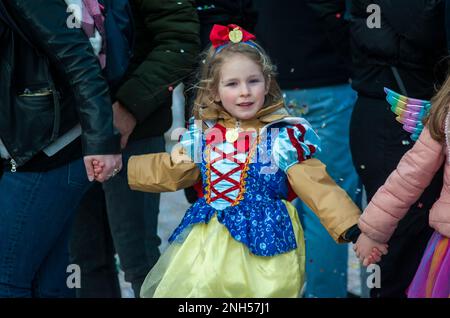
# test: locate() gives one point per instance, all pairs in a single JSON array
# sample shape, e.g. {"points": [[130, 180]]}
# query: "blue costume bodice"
{"points": [[246, 187]]}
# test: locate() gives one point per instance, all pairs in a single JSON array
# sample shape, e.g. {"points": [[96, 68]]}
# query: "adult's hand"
{"points": [[124, 121], [111, 165]]}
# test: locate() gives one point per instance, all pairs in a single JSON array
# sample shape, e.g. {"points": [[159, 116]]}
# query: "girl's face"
{"points": [[242, 87]]}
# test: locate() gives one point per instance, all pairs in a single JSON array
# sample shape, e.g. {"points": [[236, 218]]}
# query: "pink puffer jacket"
{"points": [[403, 188]]}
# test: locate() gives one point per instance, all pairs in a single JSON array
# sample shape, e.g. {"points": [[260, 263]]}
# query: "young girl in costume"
{"points": [[405, 185], [242, 238]]}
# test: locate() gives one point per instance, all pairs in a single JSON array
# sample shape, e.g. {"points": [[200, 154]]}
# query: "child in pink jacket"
{"points": [[402, 189]]}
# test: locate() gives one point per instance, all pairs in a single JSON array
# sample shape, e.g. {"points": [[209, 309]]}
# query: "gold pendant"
{"points": [[231, 135]]}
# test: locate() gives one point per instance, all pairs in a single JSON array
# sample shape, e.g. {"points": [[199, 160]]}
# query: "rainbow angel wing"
{"points": [[409, 111]]}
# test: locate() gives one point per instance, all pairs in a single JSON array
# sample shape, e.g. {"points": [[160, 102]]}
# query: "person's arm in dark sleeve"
{"points": [[173, 34], [71, 55]]}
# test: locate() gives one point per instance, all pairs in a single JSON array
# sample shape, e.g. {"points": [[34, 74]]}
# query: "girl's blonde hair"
{"points": [[438, 113], [209, 74]]}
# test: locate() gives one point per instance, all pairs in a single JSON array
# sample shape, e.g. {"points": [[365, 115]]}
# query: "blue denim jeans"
{"points": [[328, 110], [36, 211]]}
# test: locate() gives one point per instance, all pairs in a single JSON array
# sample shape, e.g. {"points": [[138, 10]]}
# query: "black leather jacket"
{"points": [[80, 88]]}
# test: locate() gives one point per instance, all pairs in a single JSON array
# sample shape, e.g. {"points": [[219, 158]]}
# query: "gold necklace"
{"points": [[232, 134]]}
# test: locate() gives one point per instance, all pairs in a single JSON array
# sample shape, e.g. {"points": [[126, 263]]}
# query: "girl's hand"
{"points": [[369, 251]]}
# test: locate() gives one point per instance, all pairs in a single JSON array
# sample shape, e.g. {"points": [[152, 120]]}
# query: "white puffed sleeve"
{"points": [[295, 143]]}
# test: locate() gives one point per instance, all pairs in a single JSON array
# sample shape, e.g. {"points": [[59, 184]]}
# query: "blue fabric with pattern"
{"points": [[260, 220]]}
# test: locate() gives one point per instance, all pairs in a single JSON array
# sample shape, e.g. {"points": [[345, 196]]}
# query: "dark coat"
{"points": [[297, 41], [411, 38], [166, 49]]}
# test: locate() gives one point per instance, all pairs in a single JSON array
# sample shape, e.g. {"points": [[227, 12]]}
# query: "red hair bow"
{"points": [[221, 35]]}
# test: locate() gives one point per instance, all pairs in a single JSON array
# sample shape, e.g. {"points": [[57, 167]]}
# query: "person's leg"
{"points": [[36, 209], [133, 218], [377, 142], [51, 279], [92, 249], [372, 120], [328, 110]]}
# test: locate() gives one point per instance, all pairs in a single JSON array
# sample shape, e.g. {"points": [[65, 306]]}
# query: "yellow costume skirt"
{"points": [[210, 263]]}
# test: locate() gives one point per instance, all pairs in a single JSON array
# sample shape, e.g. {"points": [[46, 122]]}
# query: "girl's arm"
{"points": [[293, 152], [403, 187], [336, 211], [161, 172]]}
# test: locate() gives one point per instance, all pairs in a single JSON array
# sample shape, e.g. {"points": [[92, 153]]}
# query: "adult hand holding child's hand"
{"points": [[102, 167]]}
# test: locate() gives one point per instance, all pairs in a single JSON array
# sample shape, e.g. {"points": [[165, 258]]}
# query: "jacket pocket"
{"points": [[36, 112]]}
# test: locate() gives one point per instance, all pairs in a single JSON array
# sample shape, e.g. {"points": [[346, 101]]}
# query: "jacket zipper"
{"points": [[13, 165], [12, 162]]}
